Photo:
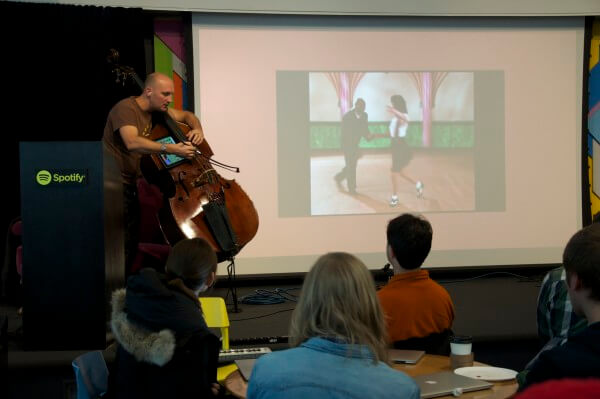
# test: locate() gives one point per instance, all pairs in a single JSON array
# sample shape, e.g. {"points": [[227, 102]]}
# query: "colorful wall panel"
{"points": [[594, 119], [169, 57]]}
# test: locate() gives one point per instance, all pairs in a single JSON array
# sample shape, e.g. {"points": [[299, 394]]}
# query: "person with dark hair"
{"points": [[338, 341], [580, 355], [414, 305], [401, 152], [165, 349], [126, 132], [355, 124], [556, 320]]}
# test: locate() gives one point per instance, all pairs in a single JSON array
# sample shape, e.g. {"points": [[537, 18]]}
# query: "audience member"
{"points": [[165, 348], [338, 337], [414, 305], [580, 355], [556, 320]]}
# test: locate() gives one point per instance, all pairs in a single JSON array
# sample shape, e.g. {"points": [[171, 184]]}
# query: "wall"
{"points": [[593, 118], [355, 7]]}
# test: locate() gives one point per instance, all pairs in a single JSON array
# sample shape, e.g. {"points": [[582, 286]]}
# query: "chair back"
{"points": [[215, 315], [3, 335], [153, 250], [151, 255], [434, 344], [16, 229], [151, 201], [10, 281], [91, 375]]}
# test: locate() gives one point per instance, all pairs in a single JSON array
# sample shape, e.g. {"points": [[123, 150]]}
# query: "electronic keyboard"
{"points": [[241, 353]]}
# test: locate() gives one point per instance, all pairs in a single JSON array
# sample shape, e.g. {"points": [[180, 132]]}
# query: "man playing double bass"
{"points": [[128, 125]]}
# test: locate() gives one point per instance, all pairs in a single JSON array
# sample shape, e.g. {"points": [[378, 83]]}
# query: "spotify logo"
{"points": [[62, 177], [43, 177]]}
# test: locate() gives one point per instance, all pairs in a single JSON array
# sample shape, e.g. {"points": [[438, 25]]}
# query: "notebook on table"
{"points": [[245, 366], [405, 356], [446, 382]]}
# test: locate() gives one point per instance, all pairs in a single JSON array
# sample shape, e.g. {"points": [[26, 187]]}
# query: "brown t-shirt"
{"points": [[126, 112]]}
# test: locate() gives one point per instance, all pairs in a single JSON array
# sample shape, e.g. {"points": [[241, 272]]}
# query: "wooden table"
{"points": [[427, 365], [434, 363]]}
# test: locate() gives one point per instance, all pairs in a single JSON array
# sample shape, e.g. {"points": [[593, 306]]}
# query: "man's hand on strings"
{"points": [[185, 150], [195, 136]]}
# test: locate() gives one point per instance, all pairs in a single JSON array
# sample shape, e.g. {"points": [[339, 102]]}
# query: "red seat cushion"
{"points": [[19, 260], [151, 200], [151, 255]]}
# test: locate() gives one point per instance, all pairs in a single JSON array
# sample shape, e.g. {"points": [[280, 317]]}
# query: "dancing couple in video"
{"points": [[355, 126]]}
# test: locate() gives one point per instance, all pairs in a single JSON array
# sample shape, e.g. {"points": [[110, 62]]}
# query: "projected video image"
{"points": [[395, 141], [390, 142]]}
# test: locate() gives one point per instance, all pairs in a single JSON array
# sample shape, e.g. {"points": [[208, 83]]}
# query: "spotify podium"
{"points": [[72, 209]]}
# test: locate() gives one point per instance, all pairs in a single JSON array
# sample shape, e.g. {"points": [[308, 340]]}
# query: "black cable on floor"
{"points": [[270, 297]]}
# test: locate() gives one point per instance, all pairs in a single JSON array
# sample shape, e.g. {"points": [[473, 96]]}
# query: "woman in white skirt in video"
{"points": [[401, 152]]}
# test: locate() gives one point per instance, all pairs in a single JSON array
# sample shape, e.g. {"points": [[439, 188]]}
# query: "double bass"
{"points": [[201, 202]]}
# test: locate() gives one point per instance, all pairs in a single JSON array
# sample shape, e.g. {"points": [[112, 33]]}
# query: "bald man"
{"points": [[128, 126]]}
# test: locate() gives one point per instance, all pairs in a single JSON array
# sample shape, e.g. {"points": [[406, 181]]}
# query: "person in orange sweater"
{"points": [[414, 305]]}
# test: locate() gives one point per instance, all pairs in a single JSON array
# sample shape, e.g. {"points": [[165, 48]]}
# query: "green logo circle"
{"points": [[43, 177]]}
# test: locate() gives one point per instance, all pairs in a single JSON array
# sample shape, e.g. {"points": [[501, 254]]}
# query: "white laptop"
{"points": [[405, 356], [447, 383]]}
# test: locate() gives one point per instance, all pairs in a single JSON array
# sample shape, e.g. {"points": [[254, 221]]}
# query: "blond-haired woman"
{"points": [[338, 341]]}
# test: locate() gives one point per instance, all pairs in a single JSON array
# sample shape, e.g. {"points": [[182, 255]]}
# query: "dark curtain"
{"points": [[56, 82]]}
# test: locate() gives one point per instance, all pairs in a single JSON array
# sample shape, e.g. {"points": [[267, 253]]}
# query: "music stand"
{"points": [[232, 285]]}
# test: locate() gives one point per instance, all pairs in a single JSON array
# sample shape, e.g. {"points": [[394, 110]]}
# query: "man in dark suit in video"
{"points": [[354, 126]]}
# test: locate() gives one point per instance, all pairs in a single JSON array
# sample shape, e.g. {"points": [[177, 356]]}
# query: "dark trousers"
{"points": [[349, 171]]}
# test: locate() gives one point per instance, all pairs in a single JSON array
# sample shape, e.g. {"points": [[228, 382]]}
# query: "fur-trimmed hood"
{"points": [[146, 346]]}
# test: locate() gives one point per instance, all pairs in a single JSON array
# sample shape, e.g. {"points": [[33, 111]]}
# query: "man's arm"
{"points": [[366, 133], [195, 135], [546, 367], [142, 145]]}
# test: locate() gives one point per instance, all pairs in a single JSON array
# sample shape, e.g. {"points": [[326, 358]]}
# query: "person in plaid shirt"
{"points": [[556, 320], [579, 356]]}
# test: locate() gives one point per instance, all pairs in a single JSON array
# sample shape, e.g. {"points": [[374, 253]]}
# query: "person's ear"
{"points": [[574, 282], [390, 253], [210, 279]]}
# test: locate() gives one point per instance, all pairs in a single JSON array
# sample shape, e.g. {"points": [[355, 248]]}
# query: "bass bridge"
{"points": [[207, 177]]}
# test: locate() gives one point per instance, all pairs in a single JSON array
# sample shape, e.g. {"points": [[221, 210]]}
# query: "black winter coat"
{"points": [[165, 348]]}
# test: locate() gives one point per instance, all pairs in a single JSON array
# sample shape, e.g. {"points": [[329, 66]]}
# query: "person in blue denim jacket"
{"points": [[338, 340]]}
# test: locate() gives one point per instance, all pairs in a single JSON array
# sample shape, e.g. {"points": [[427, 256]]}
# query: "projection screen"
{"points": [[490, 133]]}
